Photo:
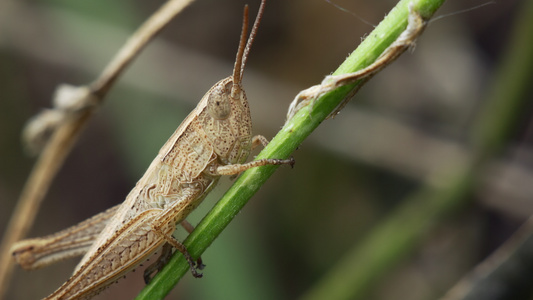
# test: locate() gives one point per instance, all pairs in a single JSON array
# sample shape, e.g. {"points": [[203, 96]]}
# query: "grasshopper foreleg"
{"points": [[239, 168], [236, 169]]}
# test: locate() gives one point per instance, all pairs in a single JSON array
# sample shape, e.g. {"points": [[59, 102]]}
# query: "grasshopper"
{"points": [[214, 140]]}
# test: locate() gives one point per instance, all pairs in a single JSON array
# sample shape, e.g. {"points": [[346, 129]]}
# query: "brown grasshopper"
{"points": [[214, 140]]}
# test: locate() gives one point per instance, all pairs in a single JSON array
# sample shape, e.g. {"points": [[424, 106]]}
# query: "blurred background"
{"points": [[351, 174]]}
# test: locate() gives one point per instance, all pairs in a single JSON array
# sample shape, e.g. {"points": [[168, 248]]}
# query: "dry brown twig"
{"points": [[73, 107]]}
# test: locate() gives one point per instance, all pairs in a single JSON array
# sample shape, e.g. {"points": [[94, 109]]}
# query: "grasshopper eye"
{"points": [[219, 105]]}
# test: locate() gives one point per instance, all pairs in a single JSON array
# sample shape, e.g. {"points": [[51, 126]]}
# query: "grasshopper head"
{"points": [[229, 91]]}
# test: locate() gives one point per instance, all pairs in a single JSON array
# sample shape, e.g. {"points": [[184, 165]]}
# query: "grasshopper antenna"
{"points": [[242, 53], [253, 34], [238, 68]]}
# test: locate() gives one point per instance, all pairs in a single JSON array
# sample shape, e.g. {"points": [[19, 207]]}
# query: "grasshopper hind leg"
{"points": [[188, 226], [166, 254], [164, 258]]}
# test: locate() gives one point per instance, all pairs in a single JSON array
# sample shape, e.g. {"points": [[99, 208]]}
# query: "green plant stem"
{"points": [[283, 144]]}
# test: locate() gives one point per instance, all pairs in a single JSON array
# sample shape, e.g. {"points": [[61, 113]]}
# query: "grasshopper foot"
{"points": [[166, 254], [200, 264], [194, 266], [292, 162], [194, 270]]}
